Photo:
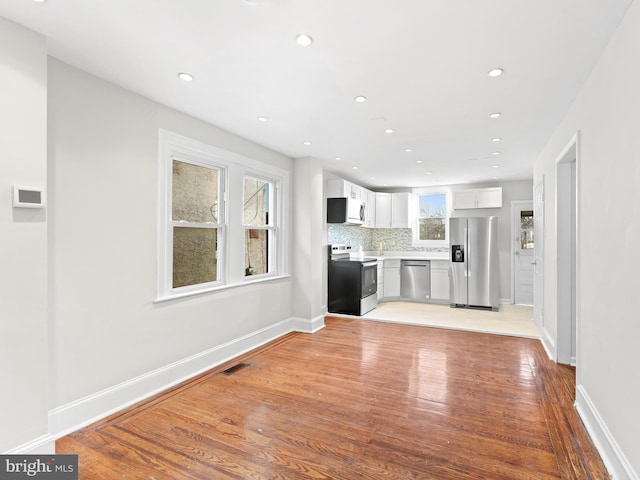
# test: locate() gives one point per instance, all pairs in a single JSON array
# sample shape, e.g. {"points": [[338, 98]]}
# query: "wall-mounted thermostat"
{"points": [[28, 197]]}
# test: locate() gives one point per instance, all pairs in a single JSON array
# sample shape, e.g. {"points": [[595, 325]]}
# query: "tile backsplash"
{"points": [[369, 239]]}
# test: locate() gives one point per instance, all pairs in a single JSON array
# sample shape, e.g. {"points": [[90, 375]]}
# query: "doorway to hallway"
{"points": [[567, 247], [522, 225]]}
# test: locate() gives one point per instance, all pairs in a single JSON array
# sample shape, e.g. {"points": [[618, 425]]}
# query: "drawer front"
{"points": [[392, 263], [440, 264]]}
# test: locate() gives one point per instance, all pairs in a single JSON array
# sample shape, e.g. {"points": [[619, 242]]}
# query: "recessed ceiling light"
{"points": [[495, 166], [304, 40], [338, 158], [187, 77], [360, 99], [418, 161], [262, 118], [496, 72], [495, 178], [496, 140], [495, 115], [371, 178], [39, 1], [307, 143], [389, 130], [429, 173], [354, 167], [495, 154], [408, 150]]}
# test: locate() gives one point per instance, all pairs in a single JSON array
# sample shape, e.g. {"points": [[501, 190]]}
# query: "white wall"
{"points": [[23, 238], [606, 115], [103, 163], [309, 242]]}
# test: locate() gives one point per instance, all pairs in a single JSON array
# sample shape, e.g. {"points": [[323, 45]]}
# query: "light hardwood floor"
{"points": [[356, 400]]}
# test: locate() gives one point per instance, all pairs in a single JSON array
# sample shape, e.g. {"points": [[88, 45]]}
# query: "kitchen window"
{"points": [[431, 225], [209, 201]]}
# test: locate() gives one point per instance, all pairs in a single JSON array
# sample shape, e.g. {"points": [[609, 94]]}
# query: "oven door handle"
{"points": [[370, 264]]}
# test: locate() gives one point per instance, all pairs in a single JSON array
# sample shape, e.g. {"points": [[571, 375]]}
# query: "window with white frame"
{"points": [[196, 226], [259, 225], [430, 227], [209, 199]]}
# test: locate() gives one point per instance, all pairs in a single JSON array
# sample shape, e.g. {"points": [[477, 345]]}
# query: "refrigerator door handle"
{"points": [[466, 248]]}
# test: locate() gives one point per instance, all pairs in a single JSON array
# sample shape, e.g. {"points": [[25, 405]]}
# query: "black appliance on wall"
{"points": [[353, 283], [347, 211]]}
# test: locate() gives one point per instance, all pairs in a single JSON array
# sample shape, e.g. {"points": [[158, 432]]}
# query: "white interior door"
{"points": [[538, 254], [523, 246]]}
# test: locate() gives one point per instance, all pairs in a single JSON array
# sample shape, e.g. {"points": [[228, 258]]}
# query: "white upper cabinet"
{"points": [[383, 210], [337, 187], [369, 199], [400, 210], [478, 198], [393, 210]]}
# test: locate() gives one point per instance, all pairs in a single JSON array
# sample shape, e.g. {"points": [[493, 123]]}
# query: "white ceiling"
{"points": [[422, 64]]}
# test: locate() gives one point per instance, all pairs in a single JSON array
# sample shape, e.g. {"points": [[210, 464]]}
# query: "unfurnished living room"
{"points": [[319, 240]]}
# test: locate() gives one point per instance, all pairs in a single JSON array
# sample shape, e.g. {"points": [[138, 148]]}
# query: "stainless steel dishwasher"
{"points": [[415, 279]]}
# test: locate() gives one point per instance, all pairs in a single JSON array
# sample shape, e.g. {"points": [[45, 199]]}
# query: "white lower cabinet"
{"points": [[391, 278], [440, 281]]}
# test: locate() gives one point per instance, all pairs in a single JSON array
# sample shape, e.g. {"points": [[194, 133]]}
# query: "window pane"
{"points": [[195, 193], [526, 230], [256, 247], [432, 228], [433, 205], [256, 202], [194, 256]]}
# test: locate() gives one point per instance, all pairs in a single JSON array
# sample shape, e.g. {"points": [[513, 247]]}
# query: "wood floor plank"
{"points": [[356, 400]]}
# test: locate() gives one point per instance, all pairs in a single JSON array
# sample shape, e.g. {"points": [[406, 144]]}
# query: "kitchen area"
{"points": [[379, 227]]}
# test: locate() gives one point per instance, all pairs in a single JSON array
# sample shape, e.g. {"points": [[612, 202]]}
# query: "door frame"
{"points": [[567, 167], [538, 272], [516, 205]]}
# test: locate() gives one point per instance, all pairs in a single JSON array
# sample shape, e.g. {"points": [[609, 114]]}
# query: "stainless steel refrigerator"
{"points": [[475, 270]]}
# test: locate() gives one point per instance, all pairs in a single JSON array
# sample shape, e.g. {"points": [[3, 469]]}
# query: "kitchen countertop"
{"points": [[407, 255]]}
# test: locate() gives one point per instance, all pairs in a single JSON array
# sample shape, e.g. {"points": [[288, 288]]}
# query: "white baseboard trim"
{"points": [[548, 343], [612, 456], [43, 445], [305, 325], [85, 411]]}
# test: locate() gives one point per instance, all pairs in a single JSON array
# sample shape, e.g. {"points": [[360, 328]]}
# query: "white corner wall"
{"points": [[309, 242], [109, 338], [606, 114], [23, 242]]}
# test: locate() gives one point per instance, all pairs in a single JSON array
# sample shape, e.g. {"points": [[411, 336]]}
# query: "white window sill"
{"points": [[261, 279]]}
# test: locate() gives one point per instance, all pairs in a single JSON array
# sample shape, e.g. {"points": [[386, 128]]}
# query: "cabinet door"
{"points": [[464, 199], [355, 191], [383, 210], [337, 187], [391, 282], [439, 284], [370, 212], [400, 210], [380, 280], [490, 198]]}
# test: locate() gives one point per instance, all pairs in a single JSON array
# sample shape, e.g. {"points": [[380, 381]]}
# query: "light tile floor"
{"points": [[515, 320]]}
